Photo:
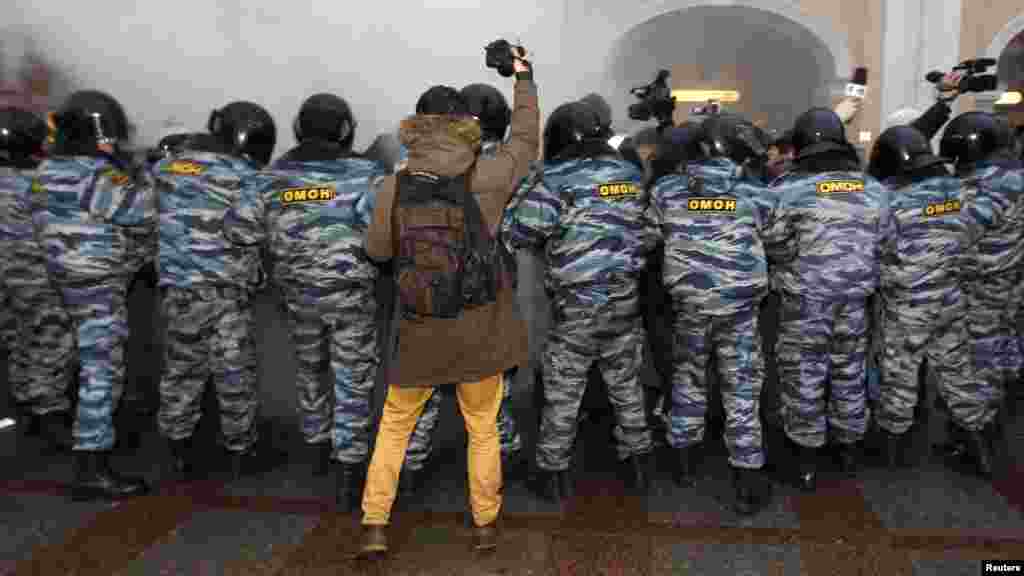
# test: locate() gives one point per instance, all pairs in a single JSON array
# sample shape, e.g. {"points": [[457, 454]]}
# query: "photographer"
{"points": [[475, 345]]}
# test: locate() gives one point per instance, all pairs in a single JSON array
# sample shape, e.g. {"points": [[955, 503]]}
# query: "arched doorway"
{"points": [[781, 61], [1007, 48], [1011, 77]]}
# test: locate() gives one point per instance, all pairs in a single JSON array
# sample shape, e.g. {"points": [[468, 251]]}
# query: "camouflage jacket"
{"points": [[196, 190], [922, 245], [94, 218], [994, 213], [591, 217], [25, 264], [313, 217], [825, 234], [711, 219]]}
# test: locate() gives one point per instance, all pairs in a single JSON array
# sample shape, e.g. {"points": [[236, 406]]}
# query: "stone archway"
{"points": [[996, 47], [826, 63], [820, 27]]}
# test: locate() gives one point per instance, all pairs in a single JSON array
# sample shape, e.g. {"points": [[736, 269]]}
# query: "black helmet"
{"points": [[628, 151], [733, 137], [325, 117], [901, 151], [677, 147], [89, 118], [244, 129], [969, 138], [442, 100], [22, 135], [819, 130], [489, 106], [569, 126], [604, 111]]}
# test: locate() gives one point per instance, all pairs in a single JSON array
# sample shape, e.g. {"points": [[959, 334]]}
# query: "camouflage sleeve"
{"points": [[367, 203], [533, 215], [777, 236], [244, 221], [122, 199]]}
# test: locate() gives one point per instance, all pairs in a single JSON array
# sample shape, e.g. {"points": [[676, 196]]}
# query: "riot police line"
{"points": [[890, 265]]}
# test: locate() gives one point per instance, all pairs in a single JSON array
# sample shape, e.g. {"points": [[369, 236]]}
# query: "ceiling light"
{"points": [[705, 95]]}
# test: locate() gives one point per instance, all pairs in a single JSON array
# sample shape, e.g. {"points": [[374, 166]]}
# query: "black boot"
{"points": [[689, 458], [94, 480], [349, 489], [805, 466], [182, 458], [750, 491], [981, 450], [894, 447], [54, 429], [252, 462], [848, 458], [410, 481], [553, 486], [513, 467], [27, 423], [321, 454], [638, 472], [955, 447]]}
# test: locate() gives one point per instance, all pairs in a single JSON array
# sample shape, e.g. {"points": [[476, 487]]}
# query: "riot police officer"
{"points": [[40, 354], [923, 313], [991, 264], [207, 284], [89, 207], [587, 211], [311, 213], [712, 216], [823, 241]]}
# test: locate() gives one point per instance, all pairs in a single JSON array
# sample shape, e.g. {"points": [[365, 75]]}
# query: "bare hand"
{"points": [[848, 109], [951, 83], [519, 64]]}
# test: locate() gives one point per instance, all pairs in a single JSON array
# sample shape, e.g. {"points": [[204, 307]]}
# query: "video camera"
{"points": [[656, 101], [500, 57], [974, 79]]}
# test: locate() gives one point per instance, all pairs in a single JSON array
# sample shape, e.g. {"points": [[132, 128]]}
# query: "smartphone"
{"points": [[858, 85]]}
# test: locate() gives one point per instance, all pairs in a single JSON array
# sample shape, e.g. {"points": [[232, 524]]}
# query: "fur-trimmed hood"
{"points": [[442, 145]]}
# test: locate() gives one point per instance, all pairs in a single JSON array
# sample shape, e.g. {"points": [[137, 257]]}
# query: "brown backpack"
{"points": [[447, 259]]}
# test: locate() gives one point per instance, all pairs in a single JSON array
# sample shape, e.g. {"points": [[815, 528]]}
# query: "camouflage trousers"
{"points": [[41, 348], [209, 336], [601, 326], [735, 343], [421, 443], [909, 339], [99, 314], [8, 322], [347, 323], [994, 350], [821, 352]]}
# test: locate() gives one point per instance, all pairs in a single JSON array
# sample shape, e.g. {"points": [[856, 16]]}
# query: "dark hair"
{"points": [[442, 100]]}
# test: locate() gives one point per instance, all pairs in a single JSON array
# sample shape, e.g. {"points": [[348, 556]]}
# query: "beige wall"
{"points": [[982, 21], [861, 23]]}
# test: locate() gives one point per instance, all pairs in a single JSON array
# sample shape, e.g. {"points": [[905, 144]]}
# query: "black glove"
{"points": [[146, 274]]}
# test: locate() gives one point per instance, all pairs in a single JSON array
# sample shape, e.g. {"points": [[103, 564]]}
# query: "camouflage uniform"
{"points": [[591, 219], [208, 284], [41, 349], [716, 271], [313, 216], [824, 239], [93, 220], [923, 309], [992, 266], [421, 443]]}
